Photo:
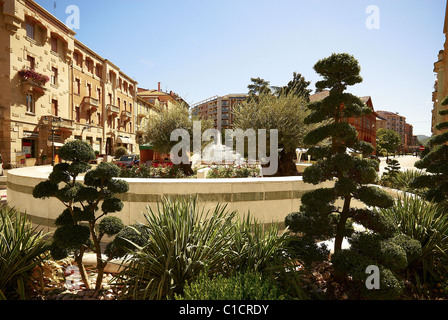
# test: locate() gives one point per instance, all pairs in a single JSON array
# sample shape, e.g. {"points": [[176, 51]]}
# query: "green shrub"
{"points": [[427, 223], [22, 248], [129, 238], [390, 286], [144, 171], [240, 286], [120, 151]]}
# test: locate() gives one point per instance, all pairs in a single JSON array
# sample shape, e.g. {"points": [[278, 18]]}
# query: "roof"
{"points": [[323, 94], [389, 113], [319, 95]]}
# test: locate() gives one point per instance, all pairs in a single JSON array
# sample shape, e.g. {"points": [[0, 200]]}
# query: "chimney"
{"points": [[158, 87]]}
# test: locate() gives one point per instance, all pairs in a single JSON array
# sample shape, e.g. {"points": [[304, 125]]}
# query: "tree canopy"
{"points": [[435, 163], [388, 140], [319, 216]]}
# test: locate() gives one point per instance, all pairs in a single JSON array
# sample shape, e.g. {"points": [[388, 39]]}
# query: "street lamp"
{"points": [[54, 123]]}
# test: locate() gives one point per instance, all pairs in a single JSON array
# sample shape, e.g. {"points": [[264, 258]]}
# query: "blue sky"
{"points": [[202, 48]]}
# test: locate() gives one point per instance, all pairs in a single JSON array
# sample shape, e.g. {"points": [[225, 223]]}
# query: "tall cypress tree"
{"points": [[322, 215], [436, 164]]}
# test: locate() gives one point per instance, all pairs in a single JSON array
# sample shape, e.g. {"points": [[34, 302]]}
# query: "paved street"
{"points": [[406, 162]]}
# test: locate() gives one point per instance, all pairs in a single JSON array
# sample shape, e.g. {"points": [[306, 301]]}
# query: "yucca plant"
{"points": [[404, 178], [260, 248], [426, 222], [22, 248], [183, 240]]}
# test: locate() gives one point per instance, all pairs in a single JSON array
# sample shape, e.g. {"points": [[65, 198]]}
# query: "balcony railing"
{"points": [[112, 110], [90, 103], [127, 115]]}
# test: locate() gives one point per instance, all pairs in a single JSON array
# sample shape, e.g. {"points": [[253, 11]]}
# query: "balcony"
{"points": [[90, 103], [33, 81], [112, 110], [62, 124], [140, 128], [126, 115]]}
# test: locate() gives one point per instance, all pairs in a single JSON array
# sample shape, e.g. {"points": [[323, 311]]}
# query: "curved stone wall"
{"points": [[268, 199]]}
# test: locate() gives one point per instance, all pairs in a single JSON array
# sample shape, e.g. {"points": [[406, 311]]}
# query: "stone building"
{"points": [[54, 88], [441, 83]]}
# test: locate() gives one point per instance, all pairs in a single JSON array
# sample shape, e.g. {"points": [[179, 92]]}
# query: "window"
{"points": [[54, 76], [54, 44], [77, 114], [30, 103], [89, 89], [98, 116], [78, 59], [77, 86], [54, 107], [30, 30], [98, 91], [88, 116], [89, 65], [98, 71], [31, 61]]}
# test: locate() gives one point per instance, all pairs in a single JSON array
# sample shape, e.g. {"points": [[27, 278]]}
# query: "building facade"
{"points": [[394, 121], [219, 109], [441, 83], [365, 125], [54, 88]]}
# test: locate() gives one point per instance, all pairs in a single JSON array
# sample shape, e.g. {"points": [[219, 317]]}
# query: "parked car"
{"points": [[128, 160]]}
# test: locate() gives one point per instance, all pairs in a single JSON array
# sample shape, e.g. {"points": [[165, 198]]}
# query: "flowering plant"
{"points": [[38, 78], [234, 171]]}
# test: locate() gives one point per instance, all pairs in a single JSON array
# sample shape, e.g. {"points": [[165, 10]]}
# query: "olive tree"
{"points": [[285, 113], [162, 123], [84, 222]]}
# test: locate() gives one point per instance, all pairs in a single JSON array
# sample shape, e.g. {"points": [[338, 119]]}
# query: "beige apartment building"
{"points": [[397, 123], [54, 88], [441, 83], [218, 108]]}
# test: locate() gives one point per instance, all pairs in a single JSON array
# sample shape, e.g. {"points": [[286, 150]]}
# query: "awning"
{"points": [[145, 146], [56, 144], [121, 139], [30, 135]]}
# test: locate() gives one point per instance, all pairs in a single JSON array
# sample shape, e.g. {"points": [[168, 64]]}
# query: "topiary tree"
{"points": [[79, 227], [435, 163], [320, 217], [391, 173]]}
